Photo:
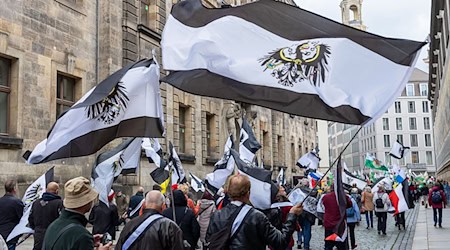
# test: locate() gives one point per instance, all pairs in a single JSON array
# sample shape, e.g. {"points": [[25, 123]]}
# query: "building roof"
{"points": [[418, 76]]}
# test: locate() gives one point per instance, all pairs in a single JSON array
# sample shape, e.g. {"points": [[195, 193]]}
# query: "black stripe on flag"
{"points": [[250, 143], [159, 175], [340, 228]]}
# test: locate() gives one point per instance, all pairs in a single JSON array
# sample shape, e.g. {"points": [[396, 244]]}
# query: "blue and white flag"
{"points": [[399, 174]]}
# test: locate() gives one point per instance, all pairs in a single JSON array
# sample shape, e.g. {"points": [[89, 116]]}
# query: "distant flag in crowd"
{"points": [[398, 199], [248, 145], [126, 104], [196, 183], [285, 61], [309, 161], [222, 169], [281, 178], [398, 150], [399, 174], [350, 179], [33, 193], [340, 230], [166, 184], [124, 158], [374, 163], [262, 191], [385, 181], [154, 153], [178, 174]]}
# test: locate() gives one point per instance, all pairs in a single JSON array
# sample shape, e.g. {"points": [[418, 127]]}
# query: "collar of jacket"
{"points": [[50, 196], [73, 215], [150, 211], [140, 194]]}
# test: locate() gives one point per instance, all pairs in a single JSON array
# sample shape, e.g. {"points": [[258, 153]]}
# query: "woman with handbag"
{"points": [[367, 206]]}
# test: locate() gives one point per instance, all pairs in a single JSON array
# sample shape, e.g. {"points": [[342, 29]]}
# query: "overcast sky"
{"points": [[409, 19]]}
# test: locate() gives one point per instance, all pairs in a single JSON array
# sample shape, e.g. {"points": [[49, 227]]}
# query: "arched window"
{"points": [[354, 14]]}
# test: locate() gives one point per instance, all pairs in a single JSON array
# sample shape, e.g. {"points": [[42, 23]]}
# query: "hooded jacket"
{"points": [[206, 209], [185, 218]]}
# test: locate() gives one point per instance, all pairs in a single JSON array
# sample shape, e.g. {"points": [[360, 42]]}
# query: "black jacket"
{"points": [[11, 210], [185, 218], [255, 232], [104, 219], [134, 202], [163, 234], [43, 212]]}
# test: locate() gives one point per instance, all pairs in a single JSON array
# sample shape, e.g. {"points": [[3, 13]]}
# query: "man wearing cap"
{"points": [[151, 230], [69, 230]]}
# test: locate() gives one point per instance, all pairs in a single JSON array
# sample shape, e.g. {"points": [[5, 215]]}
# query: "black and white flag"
{"points": [[197, 184], [350, 179], [282, 57], [222, 169], [262, 190], [109, 165], [154, 153], [33, 192], [281, 178], [248, 145], [178, 174], [309, 160], [398, 150], [126, 104]]}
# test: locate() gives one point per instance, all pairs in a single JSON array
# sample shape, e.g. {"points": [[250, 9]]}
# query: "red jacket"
{"points": [[438, 205], [332, 215]]}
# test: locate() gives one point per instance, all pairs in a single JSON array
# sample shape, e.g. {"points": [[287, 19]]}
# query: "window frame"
{"points": [[426, 125], [182, 129], [398, 108], [416, 140], [7, 89], [410, 124], [412, 88], [61, 101], [425, 107], [387, 141], [399, 125], [417, 157], [422, 87], [385, 123], [431, 157], [428, 140], [411, 109], [208, 131]]}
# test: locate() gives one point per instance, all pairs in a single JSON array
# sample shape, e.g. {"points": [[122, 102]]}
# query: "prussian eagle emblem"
{"points": [[300, 62], [108, 109]]}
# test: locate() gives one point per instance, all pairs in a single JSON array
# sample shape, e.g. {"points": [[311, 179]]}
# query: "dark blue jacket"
{"points": [[134, 202], [11, 210]]}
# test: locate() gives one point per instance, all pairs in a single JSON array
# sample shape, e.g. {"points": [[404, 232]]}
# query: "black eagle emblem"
{"points": [[305, 61], [32, 194], [108, 109]]}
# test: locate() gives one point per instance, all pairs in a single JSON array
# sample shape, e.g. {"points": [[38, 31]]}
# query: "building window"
{"points": [[398, 107], [182, 129], [429, 155], [209, 128], [149, 11], [387, 142], [415, 157], [426, 123], [385, 123], [387, 157], [400, 138], [411, 107], [5, 90], [412, 123], [423, 89], [398, 123], [65, 93], [414, 142], [410, 89], [425, 107], [428, 140]]}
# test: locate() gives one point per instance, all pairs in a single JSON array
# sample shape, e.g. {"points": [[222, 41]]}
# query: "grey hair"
{"points": [[154, 197]]}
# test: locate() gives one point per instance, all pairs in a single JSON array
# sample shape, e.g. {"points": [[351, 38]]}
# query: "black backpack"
{"points": [[436, 197], [379, 202], [221, 240]]}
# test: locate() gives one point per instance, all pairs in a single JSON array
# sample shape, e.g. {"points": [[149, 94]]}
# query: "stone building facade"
{"points": [[54, 51]]}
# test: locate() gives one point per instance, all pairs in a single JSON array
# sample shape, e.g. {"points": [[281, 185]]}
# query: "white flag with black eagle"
{"points": [[178, 174], [222, 169], [248, 145], [123, 159], [197, 184], [398, 150], [126, 104], [285, 58], [154, 153], [262, 191], [33, 193], [309, 160]]}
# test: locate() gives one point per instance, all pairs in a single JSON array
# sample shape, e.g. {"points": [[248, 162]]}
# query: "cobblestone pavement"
{"points": [[368, 239]]}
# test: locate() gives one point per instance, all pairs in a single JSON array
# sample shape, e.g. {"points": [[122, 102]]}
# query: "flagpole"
{"points": [[334, 162]]}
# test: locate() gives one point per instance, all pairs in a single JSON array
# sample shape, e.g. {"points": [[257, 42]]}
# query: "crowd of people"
{"points": [[177, 221]]}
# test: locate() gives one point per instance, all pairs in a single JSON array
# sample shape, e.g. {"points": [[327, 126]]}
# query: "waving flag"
{"points": [[398, 150], [279, 56], [124, 158], [350, 179], [340, 230], [281, 178], [398, 199], [222, 169], [178, 175], [248, 145], [374, 163], [126, 104], [399, 173], [196, 183], [262, 190], [33, 193], [309, 161], [154, 153]]}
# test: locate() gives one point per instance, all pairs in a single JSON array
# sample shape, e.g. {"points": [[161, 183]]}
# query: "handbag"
{"points": [[363, 210]]}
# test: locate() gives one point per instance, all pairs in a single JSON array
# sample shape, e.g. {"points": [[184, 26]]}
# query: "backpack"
{"points": [[350, 212], [379, 202], [436, 197]]}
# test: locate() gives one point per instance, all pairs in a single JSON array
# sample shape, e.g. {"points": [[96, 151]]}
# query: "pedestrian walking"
{"points": [[255, 231], [43, 212], [424, 191], [104, 218], [437, 201], [206, 207], [69, 230], [135, 200], [382, 203], [151, 230], [353, 218], [367, 206], [11, 210], [447, 191], [184, 218]]}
